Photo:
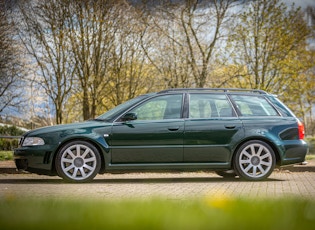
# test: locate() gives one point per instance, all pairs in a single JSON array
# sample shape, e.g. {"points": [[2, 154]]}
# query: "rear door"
{"points": [[212, 128]]}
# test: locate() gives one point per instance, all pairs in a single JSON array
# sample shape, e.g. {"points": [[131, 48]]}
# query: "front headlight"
{"points": [[33, 141]]}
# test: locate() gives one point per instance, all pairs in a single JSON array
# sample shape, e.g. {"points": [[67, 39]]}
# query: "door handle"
{"points": [[230, 126], [173, 128]]}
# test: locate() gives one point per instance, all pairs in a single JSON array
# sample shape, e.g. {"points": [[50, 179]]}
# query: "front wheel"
{"points": [[254, 160], [78, 161]]}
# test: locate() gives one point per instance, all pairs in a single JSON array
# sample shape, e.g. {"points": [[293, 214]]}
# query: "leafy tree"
{"points": [[110, 67], [94, 54], [270, 52], [299, 94], [93, 27], [130, 73], [188, 35], [267, 41]]}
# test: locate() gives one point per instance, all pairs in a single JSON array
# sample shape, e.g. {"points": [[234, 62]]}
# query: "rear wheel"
{"points": [[78, 161], [255, 160]]}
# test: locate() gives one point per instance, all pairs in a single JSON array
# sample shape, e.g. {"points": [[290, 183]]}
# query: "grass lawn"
{"points": [[215, 213], [6, 155], [206, 213]]}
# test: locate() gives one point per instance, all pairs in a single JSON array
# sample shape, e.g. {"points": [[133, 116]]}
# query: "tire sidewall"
{"points": [[238, 168], [58, 165], [226, 174]]}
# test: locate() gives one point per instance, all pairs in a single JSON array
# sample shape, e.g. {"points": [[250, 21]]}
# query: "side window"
{"points": [[159, 108], [254, 106], [209, 106]]}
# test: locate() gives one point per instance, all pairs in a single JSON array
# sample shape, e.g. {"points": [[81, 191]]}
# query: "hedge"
{"points": [[9, 143]]}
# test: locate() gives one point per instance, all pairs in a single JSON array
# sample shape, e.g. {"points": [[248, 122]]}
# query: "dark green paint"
{"points": [[181, 144]]}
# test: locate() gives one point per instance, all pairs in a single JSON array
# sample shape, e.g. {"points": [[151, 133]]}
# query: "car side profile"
{"points": [[234, 132]]}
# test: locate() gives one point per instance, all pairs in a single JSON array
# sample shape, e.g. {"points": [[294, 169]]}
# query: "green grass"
{"points": [[310, 157], [206, 213], [6, 155]]}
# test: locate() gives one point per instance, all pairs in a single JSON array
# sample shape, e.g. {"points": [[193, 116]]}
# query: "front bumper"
{"points": [[35, 160], [21, 164]]}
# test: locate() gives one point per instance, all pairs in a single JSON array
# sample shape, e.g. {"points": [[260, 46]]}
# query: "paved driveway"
{"points": [[298, 181]]}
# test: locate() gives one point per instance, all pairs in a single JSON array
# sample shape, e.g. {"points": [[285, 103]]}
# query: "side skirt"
{"points": [[166, 167]]}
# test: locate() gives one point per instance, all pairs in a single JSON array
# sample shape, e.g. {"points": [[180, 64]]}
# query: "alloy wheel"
{"points": [[78, 162], [255, 160]]}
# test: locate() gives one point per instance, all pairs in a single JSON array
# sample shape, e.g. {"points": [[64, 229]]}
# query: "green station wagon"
{"points": [[234, 132]]}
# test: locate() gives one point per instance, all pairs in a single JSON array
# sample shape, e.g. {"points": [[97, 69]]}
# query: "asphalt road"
{"points": [[298, 181]]}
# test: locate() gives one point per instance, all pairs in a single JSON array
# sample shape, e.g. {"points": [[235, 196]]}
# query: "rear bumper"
{"points": [[294, 152]]}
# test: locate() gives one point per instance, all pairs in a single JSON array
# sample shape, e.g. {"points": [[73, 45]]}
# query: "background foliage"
{"points": [[69, 61], [9, 143]]}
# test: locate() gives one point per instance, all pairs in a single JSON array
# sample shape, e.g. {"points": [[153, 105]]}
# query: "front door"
{"points": [[155, 136]]}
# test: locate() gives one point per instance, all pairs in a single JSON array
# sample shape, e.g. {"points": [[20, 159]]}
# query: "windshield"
{"points": [[118, 110]]}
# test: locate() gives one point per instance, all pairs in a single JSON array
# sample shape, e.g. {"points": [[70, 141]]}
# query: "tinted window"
{"points": [[254, 106], [209, 106], [159, 108], [113, 113]]}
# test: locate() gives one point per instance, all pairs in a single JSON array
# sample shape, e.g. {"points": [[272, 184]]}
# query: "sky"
{"points": [[301, 3]]}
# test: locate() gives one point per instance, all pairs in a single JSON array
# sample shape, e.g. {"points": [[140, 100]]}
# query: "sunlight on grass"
{"points": [[211, 212], [310, 157], [6, 155]]}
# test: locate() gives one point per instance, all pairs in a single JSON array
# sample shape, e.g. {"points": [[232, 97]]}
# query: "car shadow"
{"points": [[155, 180], [174, 180]]}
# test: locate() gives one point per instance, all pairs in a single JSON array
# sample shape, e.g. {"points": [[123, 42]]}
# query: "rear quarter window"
{"points": [[253, 106]]}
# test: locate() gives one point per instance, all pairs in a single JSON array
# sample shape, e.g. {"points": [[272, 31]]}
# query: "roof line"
{"points": [[214, 89]]}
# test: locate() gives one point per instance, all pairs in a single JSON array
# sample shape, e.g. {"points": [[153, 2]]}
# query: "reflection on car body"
{"points": [[234, 132]]}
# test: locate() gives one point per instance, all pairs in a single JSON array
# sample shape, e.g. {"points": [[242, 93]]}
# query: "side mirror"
{"points": [[129, 117]]}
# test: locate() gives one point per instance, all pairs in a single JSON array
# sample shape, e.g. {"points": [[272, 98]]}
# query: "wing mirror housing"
{"points": [[129, 117]]}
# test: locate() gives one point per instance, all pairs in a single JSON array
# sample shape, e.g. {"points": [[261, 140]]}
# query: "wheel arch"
{"points": [[91, 141], [267, 141]]}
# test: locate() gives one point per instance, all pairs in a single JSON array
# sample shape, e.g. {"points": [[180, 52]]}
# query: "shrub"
{"points": [[311, 143], [10, 131], [9, 143]]}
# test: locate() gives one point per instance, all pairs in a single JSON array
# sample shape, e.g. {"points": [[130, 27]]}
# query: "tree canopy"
{"points": [[88, 56]]}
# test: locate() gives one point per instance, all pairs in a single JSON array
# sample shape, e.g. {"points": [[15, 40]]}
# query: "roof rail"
{"points": [[214, 89]]}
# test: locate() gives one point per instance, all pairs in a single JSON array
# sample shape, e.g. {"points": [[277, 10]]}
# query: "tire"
{"points": [[227, 173], [78, 161], [255, 160]]}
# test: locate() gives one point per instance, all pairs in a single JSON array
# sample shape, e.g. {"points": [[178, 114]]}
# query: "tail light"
{"points": [[301, 130]]}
